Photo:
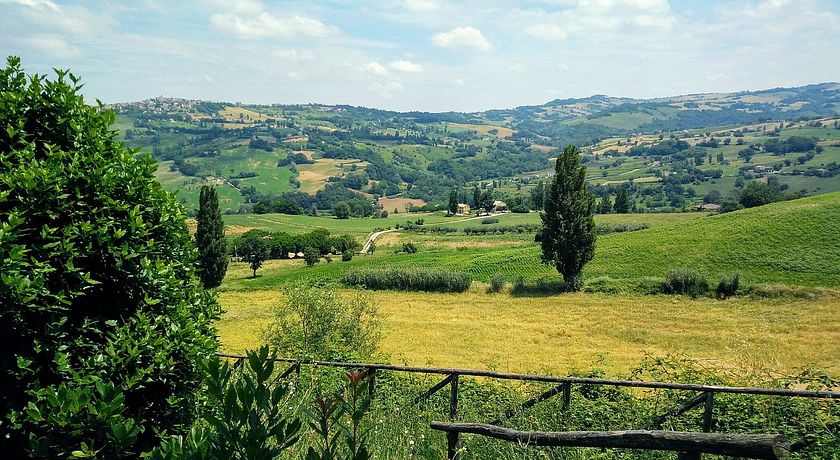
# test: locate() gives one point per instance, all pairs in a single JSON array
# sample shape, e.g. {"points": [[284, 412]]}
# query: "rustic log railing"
{"points": [[761, 446], [564, 387]]}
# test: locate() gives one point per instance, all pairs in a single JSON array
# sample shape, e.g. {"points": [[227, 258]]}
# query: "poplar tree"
{"points": [[568, 231], [453, 201], [622, 200], [210, 239]]}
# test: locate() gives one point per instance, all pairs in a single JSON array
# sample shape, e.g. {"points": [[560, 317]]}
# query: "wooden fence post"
{"points": [[371, 372], [567, 395], [453, 437], [707, 414]]}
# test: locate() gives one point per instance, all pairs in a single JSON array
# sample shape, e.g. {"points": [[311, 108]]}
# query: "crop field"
{"points": [[575, 331], [358, 227], [313, 177], [792, 243], [501, 133], [401, 204], [187, 188]]}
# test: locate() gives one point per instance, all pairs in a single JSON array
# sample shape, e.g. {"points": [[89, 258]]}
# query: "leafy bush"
{"points": [[246, 415], [409, 248], [409, 279], [311, 255], [497, 283], [490, 220], [318, 323], [500, 229], [540, 287], [604, 228], [347, 256], [98, 286], [728, 285], [685, 281]]}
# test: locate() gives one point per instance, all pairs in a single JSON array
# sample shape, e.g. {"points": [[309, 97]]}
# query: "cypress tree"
{"points": [[568, 232], [210, 239], [453, 201], [622, 200]]}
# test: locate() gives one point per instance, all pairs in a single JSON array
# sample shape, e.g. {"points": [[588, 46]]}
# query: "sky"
{"points": [[429, 55]]}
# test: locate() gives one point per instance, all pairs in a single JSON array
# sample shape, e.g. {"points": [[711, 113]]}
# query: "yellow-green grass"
{"points": [[359, 227], [313, 177], [188, 188], [573, 331]]}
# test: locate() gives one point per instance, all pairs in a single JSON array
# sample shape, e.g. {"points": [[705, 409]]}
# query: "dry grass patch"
{"points": [[559, 333], [389, 204], [501, 133]]}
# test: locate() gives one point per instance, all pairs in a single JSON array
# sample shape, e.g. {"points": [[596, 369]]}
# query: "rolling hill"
{"points": [[795, 242]]}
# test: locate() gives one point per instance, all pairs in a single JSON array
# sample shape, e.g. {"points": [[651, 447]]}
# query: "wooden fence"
{"points": [[689, 444]]}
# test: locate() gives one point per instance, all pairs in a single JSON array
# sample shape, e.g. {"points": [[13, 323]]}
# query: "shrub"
{"points": [[104, 322], [347, 256], [542, 286], [246, 413], [311, 255], [409, 248], [685, 281], [409, 279], [318, 323], [728, 285], [497, 283], [490, 220]]}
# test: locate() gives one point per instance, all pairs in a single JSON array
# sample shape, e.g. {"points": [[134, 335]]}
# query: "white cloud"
{"points": [[207, 78], [52, 45], [547, 31], [242, 7], [402, 65], [293, 55], [387, 89], [375, 68], [266, 25], [422, 5], [37, 4], [462, 38]]}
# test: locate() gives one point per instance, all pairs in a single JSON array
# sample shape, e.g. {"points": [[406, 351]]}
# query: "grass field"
{"points": [[557, 334], [795, 243]]}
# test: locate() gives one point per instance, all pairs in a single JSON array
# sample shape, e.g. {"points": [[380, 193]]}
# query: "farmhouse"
{"points": [[463, 209], [709, 207], [500, 206], [298, 138]]}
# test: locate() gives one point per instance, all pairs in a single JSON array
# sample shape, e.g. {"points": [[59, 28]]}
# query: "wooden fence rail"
{"points": [[761, 446], [706, 397]]}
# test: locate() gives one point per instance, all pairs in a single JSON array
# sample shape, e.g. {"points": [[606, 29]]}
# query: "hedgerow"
{"points": [[409, 279]]}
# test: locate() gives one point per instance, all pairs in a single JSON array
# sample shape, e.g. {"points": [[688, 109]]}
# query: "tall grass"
{"points": [[409, 279]]}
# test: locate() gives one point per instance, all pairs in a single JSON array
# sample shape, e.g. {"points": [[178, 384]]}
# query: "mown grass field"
{"points": [[575, 331], [792, 243]]}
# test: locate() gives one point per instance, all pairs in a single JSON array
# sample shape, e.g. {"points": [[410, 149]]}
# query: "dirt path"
{"points": [[373, 236]]}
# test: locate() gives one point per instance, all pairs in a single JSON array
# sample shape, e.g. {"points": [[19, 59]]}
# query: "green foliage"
{"points": [[311, 255], [341, 210], [497, 283], [757, 193], [453, 201], [97, 282], [568, 234], [728, 285], [210, 239], [347, 256], [622, 200], [685, 281], [409, 279], [255, 250], [490, 220], [318, 323], [408, 248], [246, 415], [337, 422]]}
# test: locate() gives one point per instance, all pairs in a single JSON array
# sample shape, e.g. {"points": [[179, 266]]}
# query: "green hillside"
{"points": [[795, 242]]}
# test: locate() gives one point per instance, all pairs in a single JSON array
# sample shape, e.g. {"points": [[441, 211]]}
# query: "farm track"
{"points": [[373, 236]]}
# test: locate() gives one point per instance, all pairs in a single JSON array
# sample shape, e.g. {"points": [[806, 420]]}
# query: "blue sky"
{"points": [[430, 55]]}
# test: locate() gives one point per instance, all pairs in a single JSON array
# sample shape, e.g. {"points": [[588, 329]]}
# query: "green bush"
{"points": [[497, 283], [246, 415], [347, 256], [685, 281], [104, 322], [490, 220], [409, 279], [409, 248], [728, 285], [318, 323], [540, 287]]}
